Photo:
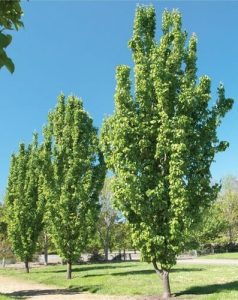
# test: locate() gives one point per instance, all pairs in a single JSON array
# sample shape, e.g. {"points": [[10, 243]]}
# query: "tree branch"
{"points": [[157, 270]]}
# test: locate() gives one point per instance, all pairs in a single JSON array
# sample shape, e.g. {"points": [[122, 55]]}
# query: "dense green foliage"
{"points": [[122, 237], [10, 18], [228, 204], [3, 222], [219, 226], [5, 246], [23, 201], [77, 177], [162, 139], [211, 229]]}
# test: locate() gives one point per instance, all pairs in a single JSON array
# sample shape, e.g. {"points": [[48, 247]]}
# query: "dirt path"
{"points": [[11, 286]]}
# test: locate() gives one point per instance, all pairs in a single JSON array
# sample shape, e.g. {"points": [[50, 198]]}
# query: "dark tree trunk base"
{"points": [[46, 249], [106, 253], [27, 266]]}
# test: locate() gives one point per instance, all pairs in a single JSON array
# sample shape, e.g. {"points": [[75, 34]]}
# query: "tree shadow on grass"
{"points": [[143, 272], [88, 268], [13, 297], [210, 289], [23, 294]]}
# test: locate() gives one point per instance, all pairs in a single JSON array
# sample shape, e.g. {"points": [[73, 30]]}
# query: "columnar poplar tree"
{"points": [[161, 140], [24, 208], [78, 175], [45, 187]]}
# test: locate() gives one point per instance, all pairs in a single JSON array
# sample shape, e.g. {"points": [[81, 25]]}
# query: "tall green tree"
{"points": [[45, 188], [78, 175], [10, 18], [161, 139], [24, 207]]}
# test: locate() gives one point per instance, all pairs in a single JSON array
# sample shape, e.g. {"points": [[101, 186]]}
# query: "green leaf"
{"points": [[10, 65], [6, 61], [5, 40]]}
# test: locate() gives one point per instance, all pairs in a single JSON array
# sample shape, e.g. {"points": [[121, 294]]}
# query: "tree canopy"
{"points": [[23, 201], [10, 18], [78, 172], [161, 140]]}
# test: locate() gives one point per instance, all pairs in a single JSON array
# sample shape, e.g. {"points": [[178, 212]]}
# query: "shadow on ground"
{"points": [[71, 291], [13, 297], [210, 289], [143, 272], [89, 268]]}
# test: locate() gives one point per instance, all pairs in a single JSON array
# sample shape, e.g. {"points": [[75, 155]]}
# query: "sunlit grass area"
{"points": [[136, 278], [2, 297], [231, 255]]}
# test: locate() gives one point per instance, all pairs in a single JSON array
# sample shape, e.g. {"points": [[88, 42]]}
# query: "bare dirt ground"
{"points": [[29, 290]]}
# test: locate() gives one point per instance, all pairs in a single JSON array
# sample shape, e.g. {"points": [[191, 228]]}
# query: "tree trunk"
{"points": [[124, 254], [27, 266], [166, 285], [120, 258], [46, 249], [106, 245], [3, 262], [165, 278], [69, 270], [106, 252], [230, 234]]}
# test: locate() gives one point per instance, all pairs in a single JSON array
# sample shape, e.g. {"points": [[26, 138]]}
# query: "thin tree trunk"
{"points": [[124, 254], [3, 262], [69, 270], [46, 249], [106, 252], [166, 285], [230, 234], [27, 266], [165, 278], [106, 245]]}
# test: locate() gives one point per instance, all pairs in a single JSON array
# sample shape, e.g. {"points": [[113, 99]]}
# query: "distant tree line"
{"points": [[218, 230]]}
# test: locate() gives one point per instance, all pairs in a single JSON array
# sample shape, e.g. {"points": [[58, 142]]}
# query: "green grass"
{"points": [[233, 255], [3, 297], [135, 278]]}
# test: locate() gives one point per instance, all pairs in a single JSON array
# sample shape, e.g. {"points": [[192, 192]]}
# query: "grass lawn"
{"points": [[136, 278], [232, 255], [2, 297]]}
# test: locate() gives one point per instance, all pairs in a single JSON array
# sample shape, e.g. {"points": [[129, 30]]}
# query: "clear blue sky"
{"points": [[74, 47]]}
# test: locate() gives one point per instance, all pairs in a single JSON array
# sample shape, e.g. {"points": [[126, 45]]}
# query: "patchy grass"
{"points": [[3, 297], [136, 278], [232, 255]]}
